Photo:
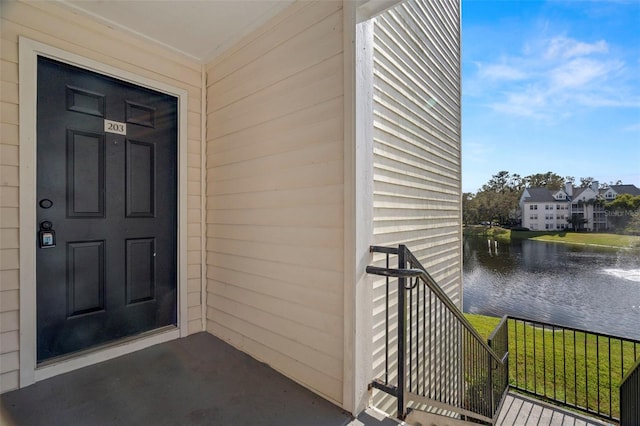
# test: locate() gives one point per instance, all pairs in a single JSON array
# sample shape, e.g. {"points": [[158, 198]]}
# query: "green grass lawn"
{"points": [[485, 231], [583, 238], [580, 238], [569, 367]]}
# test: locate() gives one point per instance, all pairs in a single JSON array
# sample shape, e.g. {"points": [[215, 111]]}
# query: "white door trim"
{"points": [[29, 50]]}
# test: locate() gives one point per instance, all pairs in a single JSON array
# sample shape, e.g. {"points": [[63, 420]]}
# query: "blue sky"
{"points": [[550, 86]]}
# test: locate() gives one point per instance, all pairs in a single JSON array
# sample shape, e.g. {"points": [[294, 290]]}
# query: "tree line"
{"points": [[497, 200]]}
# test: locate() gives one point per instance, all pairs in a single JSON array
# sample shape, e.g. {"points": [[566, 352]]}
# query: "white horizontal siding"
{"points": [[417, 158], [56, 26], [275, 195]]}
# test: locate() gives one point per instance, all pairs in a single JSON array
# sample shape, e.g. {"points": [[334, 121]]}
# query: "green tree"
{"points": [[586, 182], [576, 221], [547, 180], [624, 202], [633, 226], [623, 214], [497, 200], [470, 213]]}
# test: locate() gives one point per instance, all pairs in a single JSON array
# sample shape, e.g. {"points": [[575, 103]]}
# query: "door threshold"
{"points": [[66, 363]]}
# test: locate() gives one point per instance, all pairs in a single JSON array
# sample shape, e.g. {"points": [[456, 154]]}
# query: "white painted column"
{"points": [[358, 224]]}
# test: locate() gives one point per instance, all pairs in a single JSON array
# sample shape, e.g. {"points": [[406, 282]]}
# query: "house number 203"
{"points": [[115, 127]]}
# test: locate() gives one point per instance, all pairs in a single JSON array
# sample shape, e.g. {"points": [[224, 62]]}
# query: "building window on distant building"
{"points": [[533, 217], [533, 207]]}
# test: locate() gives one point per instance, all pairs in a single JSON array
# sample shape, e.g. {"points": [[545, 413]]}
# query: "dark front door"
{"points": [[106, 213]]}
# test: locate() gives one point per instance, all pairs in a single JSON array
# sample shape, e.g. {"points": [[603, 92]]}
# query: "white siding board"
{"points": [[280, 63], [292, 21], [417, 155], [269, 311], [299, 305], [292, 236], [305, 278], [323, 258], [311, 378], [329, 367], [317, 121], [275, 206], [9, 51], [10, 362], [324, 151], [301, 176], [393, 69], [320, 216], [302, 90], [8, 280], [331, 194], [9, 92], [9, 71]]}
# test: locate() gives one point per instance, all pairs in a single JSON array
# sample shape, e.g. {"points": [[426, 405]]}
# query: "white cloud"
{"points": [[551, 74], [531, 102], [580, 72], [500, 72], [563, 47]]}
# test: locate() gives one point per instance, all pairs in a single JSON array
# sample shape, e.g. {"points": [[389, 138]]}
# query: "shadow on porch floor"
{"points": [[198, 380]]}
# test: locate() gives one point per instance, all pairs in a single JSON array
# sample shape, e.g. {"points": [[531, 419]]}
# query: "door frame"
{"points": [[30, 372]]}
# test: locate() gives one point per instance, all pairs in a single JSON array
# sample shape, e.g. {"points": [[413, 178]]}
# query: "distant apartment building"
{"points": [[543, 209]]}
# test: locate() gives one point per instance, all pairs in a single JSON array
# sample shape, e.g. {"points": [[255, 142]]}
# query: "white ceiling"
{"points": [[199, 29]]}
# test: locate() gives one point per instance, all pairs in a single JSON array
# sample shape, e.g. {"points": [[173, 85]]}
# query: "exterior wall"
{"points": [[275, 195], [417, 146], [546, 216], [53, 25]]}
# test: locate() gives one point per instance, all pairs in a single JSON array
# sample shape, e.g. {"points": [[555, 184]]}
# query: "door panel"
{"points": [[141, 270], [85, 174], [113, 271], [140, 179], [85, 282]]}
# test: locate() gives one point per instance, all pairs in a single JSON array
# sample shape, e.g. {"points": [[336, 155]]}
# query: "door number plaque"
{"points": [[115, 127]]}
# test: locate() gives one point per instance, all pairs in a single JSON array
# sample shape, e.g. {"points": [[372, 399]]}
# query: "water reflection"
{"points": [[593, 288]]}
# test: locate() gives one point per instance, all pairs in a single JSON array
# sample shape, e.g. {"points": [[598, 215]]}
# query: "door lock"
{"points": [[46, 236]]}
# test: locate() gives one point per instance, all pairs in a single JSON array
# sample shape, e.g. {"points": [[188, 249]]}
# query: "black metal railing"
{"points": [[499, 342], [438, 362], [577, 368], [630, 397]]}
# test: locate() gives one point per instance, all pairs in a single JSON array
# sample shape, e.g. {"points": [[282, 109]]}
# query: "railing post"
{"points": [[402, 327], [492, 398]]}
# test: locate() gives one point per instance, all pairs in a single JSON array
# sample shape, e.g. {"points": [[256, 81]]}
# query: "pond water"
{"points": [[582, 287]]}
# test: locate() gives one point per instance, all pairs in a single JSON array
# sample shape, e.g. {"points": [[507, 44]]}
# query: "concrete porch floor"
{"points": [[198, 380]]}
